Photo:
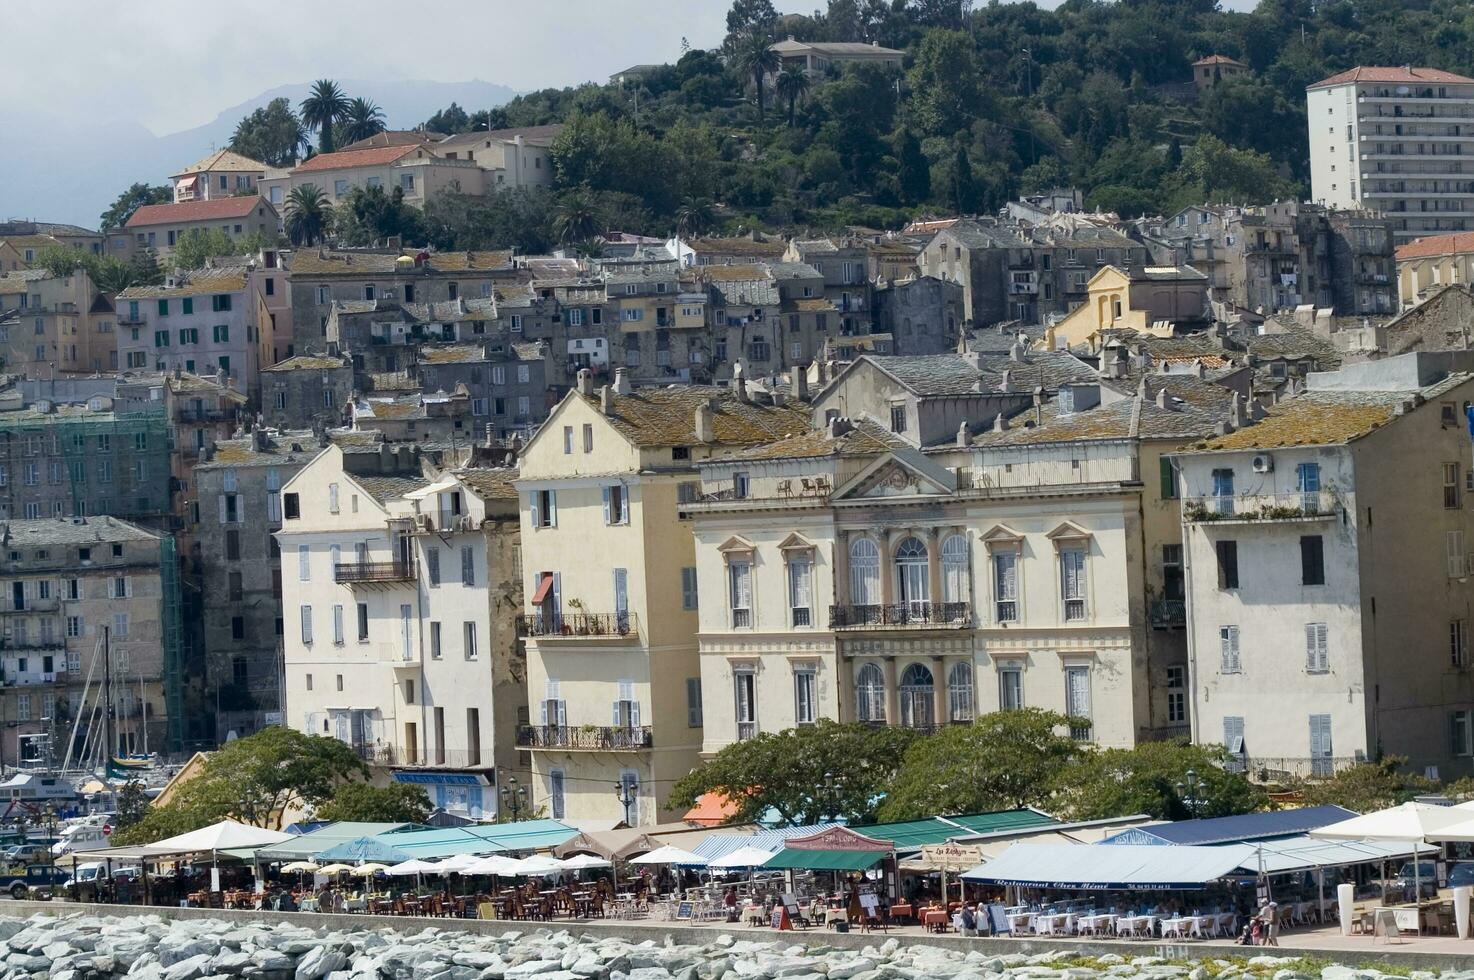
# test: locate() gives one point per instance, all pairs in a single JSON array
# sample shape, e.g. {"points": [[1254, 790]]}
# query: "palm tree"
{"points": [[756, 60], [791, 84], [362, 120], [324, 107], [693, 217], [577, 218], [308, 215]]}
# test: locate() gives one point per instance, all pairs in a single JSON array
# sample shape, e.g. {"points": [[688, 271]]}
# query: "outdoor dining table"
{"points": [[1096, 922], [1052, 923], [1020, 922], [1182, 926], [935, 920], [754, 915], [902, 910], [1136, 924], [834, 914]]}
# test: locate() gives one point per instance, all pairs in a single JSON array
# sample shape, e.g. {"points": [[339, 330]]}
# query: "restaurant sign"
{"points": [[951, 857]]}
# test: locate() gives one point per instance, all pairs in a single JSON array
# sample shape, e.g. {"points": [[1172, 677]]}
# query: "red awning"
{"points": [[543, 588]]}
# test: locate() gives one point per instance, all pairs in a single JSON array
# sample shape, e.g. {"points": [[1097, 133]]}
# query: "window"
{"points": [[693, 702], [955, 588], [304, 567], [588, 438], [1321, 753], [688, 589], [805, 697], [306, 613], [1233, 734], [363, 622], [332, 498], [432, 566], [74, 626], [1307, 480], [1312, 560], [800, 589], [744, 684], [1010, 687], [120, 587], [739, 577], [1077, 701], [435, 650], [864, 572], [870, 694], [1453, 545], [1458, 733], [1005, 586], [616, 507], [544, 508], [1228, 564], [1176, 695], [1223, 492], [741, 485], [1458, 642], [1228, 650], [1168, 476], [555, 793], [568, 440], [338, 625], [1072, 582], [468, 639], [221, 333], [1317, 660], [1450, 486], [468, 566], [898, 418], [960, 704], [291, 508]]}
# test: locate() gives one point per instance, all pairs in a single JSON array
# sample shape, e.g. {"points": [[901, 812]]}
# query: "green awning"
{"points": [[792, 857], [1002, 821], [912, 834]]}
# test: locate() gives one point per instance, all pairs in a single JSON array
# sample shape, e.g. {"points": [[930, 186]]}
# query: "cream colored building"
{"points": [[400, 596], [56, 324], [610, 572], [1327, 555], [1428, 264], [1147, 300], [223, 173], [866, 578], [511, 157], [159, 226], [418, 170]]}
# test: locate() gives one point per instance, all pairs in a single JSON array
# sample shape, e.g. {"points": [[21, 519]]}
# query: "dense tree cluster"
{"points": [[992, 100]]}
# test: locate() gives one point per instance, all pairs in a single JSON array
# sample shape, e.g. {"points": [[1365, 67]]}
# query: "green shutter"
{"points": [[1169, 479], [163, 307], [188, 304]]}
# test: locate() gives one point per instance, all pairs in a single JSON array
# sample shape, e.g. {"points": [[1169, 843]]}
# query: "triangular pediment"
{"points": [[1001, 535], [795, 542], [736, 545], [1068, 531], [900, 473]]}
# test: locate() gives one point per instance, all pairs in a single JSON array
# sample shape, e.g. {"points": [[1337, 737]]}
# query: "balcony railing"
{"points": [[1296, 506], [590, 737], [1267, 769], [373, 571], [1169, 614], [575, 625], [916, 614]]}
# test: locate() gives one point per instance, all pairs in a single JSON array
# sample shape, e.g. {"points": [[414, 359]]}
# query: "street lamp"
{"points": [[628, 795], [829, 812], [1187, 791], [514, 797]]}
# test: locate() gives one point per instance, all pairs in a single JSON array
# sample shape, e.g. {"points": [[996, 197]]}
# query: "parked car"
{"points": [[1461, 874], [19, 885], [29, 853], [1426, 878]]}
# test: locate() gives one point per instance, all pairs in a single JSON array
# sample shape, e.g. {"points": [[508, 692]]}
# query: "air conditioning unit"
{"points": [[422, 522], [1262, 463]]}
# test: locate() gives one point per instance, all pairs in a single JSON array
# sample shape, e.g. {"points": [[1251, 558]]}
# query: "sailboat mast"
{"points": [[107, 688]]}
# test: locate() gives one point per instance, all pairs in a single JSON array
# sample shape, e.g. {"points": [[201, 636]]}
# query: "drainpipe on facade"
{"points": [[1187, 618], [420, 640]]}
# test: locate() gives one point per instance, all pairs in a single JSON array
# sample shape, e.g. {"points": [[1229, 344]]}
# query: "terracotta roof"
{"points": [[198, 283], [222, 160], [866, 438], [1421, 248], [311, 262], [1407, 75], [667, 417], [488, 483], [308, 362], [377, 156], [393, 137], [169, 214], [1218, 59]]}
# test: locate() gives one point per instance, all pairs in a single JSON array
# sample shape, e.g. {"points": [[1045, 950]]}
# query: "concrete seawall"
{"points": [[640, 930]]}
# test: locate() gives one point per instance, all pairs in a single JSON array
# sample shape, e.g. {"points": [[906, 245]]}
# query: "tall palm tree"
{"points": [[756, 60], [693, 217], [324, 107], [362, 120], [791, 85], [577, 218], [308, 215]]}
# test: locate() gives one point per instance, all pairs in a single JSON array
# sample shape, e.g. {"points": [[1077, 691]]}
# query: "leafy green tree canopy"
{"points": [[272, 134], [131, 200], [1152, 779], [1372, 786], [395, 803]]}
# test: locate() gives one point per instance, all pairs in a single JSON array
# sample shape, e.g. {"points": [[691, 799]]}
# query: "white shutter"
{"points": [[1317, 658], [1454, 543], [1233, 733], [605, 492], [240, 508], [533, 507], [1228, 637], [221, 499], [552, 508]]}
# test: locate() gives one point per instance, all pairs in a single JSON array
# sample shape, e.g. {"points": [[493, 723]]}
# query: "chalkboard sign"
{"points": [[684, 910], [1386, 924], [777, 920], [999, 916]]}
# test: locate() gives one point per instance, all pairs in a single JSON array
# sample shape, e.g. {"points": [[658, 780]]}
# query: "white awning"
{"points": [[1112, 867], [1304, 852]]}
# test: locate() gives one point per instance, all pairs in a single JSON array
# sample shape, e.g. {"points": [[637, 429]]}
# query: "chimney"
{"points": [[1016, 352], [964, 436], [621, 382], [1236, 411], [839, 425], [1039, 405], [779, 396], [800, 384], [606, 400], [1000, 424], [585, 382], [490, 436], [1005, 382], [705, 431], [1164, 400], [386, 457]]}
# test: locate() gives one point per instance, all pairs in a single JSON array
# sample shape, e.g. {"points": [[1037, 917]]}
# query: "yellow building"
{"points": [[610, 620], [1428, 264], [1148, 300]]}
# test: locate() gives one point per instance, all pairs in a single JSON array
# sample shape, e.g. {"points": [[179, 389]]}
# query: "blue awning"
{"points": [[1229, 830], [364, 849]]}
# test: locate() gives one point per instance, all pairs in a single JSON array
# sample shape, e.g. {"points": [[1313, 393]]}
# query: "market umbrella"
{"points": [[584, 862], [746, 857], [494, 864], [334, 869], [369, 870], [414, 866], [537, 864], [671, 855], [1412, 822], [457, 863], [303, 866]]}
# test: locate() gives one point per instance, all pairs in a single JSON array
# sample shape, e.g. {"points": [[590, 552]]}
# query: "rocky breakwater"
{"points": [[146, 947]]}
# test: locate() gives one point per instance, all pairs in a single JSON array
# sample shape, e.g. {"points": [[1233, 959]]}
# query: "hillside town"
{"points": [[406, 496]]}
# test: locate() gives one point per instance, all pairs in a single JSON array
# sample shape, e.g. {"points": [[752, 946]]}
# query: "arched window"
{"points": [[918, 693], [864, 573], [913, 583], [870, 694], [956, 589], [959, 692]]}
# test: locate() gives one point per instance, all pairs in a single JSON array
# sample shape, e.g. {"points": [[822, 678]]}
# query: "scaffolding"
{"points": [[80, 441], [173, 623]]}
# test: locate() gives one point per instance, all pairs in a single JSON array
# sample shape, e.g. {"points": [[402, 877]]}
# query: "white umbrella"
{"points": [[369, 870], [494, 864], [746, 857], [1412, 822], [538, 864], [583, 862], [670, 855], [458, 863], [334, 869], [301, 866], [414, 866]]}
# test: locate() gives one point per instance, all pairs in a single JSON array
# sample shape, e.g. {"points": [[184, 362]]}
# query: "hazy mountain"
{"points": [[72, 169]]}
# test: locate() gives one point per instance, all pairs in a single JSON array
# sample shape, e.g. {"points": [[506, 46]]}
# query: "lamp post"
{"points": [[514, 797], [829, 811], [1187, 791], [628, 795]]}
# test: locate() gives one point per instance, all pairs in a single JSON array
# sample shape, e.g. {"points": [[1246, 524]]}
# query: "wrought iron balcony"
{"points": [[1169, 614], [586, 737], [372, 572], [954, 615], [578, 625], [1308, 505]]}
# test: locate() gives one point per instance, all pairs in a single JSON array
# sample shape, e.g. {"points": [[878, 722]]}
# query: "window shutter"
{"points": [[693, 702], [558, 593], [222, 508], [240, 508], [468, 566], [533, 509], [1454, 542], [1169, 479], [552, 508], [605, 492], [562, 713]]}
